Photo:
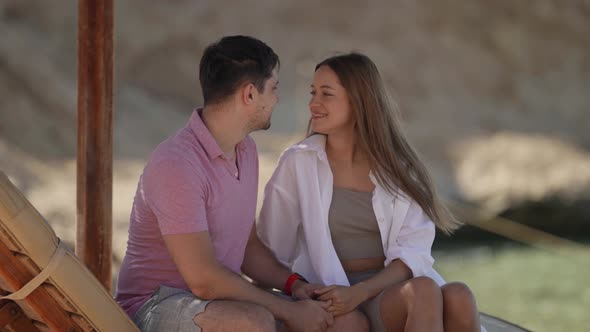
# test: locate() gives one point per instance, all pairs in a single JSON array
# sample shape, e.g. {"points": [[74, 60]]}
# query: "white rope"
{"points": [[41, 277]]}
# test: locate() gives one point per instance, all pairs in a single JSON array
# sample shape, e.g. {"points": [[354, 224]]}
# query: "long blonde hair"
{"points": [[379, 134]]}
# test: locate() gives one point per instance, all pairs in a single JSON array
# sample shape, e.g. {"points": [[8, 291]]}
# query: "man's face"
{"points": [[266, 102]]}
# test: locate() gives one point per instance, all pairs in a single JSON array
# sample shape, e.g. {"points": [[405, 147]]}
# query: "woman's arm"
{"points": [[408, 255], [413, 243], [396, 272], [274, 241], [345, 299], [279, 221]]}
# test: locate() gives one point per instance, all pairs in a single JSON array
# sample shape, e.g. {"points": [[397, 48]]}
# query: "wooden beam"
{"points": [[12, 318], [15, 275], [95, 137]]}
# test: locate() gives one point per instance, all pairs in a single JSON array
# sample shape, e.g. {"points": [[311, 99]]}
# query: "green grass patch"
{"points": [[539, 290]]}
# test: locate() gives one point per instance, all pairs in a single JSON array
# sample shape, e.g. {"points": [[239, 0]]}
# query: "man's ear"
{"points": [[249, 94]]}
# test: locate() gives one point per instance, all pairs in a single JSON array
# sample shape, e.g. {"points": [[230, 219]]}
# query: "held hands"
{"points": [[309, 315], [344, 299], [303, 291]]}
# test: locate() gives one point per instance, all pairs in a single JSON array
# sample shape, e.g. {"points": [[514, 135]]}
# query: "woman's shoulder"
{"points": [[315, 144], [396, 195], [300, 156]]}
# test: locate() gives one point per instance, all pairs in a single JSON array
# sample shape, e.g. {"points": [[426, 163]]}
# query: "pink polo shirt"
{"points": [[187, 186]]}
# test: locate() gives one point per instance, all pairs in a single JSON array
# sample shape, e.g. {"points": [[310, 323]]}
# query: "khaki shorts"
{"points": [[171, 310]]}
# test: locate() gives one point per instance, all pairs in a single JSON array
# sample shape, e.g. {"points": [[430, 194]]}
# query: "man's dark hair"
{"points": [[231, 62]]}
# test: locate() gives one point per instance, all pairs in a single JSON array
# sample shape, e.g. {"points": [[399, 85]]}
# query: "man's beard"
{"points": [[260, 121], [262, 126], [265, 126]]}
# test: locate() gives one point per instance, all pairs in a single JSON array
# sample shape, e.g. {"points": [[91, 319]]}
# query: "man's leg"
{"points": [[354, 321], [177, 310], [222, 316]]}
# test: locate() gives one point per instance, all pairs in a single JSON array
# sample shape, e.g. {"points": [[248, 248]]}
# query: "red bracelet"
{"points": [[291, 280]]}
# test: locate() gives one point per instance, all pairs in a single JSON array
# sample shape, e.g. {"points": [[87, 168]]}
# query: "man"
{"points": [[192, 228]]}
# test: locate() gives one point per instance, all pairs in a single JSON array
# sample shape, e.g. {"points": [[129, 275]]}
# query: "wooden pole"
{"points": [[95, 137]]}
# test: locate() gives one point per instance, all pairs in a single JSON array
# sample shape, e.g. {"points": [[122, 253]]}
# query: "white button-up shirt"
{"points": [[293, 221]]}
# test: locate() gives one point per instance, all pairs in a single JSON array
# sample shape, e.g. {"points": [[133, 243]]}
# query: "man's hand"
{"points": [[309, 315], [303, 291], [344, 299]]}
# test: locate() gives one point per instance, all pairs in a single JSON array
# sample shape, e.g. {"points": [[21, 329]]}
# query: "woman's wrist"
{"points": [[362, 290]]}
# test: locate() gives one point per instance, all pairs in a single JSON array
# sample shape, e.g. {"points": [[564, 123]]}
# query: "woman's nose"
{"points": [[313, 102]]}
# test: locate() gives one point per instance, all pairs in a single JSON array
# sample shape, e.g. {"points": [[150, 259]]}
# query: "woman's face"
{"points": [[329, 105]]}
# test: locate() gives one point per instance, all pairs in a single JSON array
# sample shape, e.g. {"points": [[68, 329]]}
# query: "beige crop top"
{"points": [[353, 225]]}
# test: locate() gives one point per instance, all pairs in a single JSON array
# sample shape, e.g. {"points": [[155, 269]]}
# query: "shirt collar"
{"points": [[204, 135], [316, 143], [205, 138]]}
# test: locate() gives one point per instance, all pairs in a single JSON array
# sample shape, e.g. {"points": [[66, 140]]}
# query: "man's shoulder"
{"points": [[168, 152], [173, 157], [180, 145]]}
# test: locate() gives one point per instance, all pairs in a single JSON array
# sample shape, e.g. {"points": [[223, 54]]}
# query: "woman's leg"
{"points": [[413, 305], [460, 310]]}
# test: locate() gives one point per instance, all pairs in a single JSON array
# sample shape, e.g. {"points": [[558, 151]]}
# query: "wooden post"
{"points": [[95, 137]]}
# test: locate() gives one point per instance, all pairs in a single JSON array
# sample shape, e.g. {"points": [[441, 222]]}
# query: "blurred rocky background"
{"points": [[495, 96]]}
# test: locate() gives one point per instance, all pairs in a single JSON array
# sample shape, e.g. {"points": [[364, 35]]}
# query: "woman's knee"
{"points": [[457, 295], [352, 321], [421, 288], [418, 300], [460, 309]]}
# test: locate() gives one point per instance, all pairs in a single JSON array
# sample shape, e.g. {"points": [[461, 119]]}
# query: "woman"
{"points": [[353, 207]]}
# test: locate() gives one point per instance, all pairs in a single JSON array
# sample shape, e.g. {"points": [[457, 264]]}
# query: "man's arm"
{"points": [[183, 224], [262, 266], [207, 279]]}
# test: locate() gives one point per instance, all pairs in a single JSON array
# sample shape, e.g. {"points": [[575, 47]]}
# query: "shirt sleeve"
{"points": [[279, 221], [414, 242], [176, 194]]}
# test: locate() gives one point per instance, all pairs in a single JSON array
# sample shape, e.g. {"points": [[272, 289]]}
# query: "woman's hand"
{"points": [[344, 299]]}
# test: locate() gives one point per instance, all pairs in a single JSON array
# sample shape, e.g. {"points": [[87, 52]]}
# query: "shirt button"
{"points": [[236, 174]]}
